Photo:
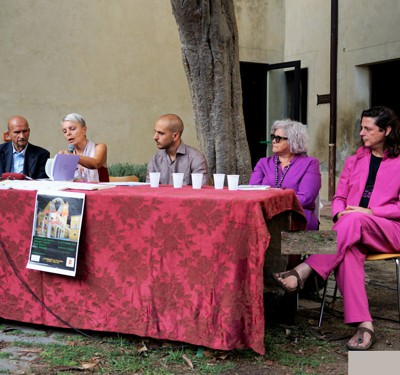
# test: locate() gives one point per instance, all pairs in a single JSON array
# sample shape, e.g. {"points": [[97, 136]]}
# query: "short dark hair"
{"points": [[383, 118]]}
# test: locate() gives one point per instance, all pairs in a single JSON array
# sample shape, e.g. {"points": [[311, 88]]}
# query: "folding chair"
{"points": [[370, 257]]}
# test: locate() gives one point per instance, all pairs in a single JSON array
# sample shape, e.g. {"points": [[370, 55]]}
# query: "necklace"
{"points": [[285, 171]]}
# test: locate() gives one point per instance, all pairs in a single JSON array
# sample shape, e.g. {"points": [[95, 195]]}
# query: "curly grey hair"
{"points": [[74, 117], [296, 132]]}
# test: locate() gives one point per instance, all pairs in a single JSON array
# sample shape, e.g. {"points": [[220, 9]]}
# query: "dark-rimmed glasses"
{"points": [[277, 138]]}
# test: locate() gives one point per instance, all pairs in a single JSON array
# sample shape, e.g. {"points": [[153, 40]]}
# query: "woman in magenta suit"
{"points": [[290, 167], [366, 212]]}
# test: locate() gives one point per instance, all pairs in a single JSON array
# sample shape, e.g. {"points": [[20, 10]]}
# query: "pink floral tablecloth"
{"points": [[175, 264]]}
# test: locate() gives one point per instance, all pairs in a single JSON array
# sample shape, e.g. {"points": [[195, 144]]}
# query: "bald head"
{"points": [[18, 131], [173, 122], [17, 120], [167, 133]]}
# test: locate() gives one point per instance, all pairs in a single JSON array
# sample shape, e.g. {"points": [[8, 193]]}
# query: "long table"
{"points": [[173, 264]]}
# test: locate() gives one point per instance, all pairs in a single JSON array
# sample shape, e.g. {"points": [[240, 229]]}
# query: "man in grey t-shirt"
{"points": [[173, 155]]}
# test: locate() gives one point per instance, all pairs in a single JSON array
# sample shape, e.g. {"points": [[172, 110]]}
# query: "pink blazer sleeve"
{"points": [[339, 201]]}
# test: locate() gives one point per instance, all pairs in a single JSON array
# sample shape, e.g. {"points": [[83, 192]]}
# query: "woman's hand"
{"points": [[352, 209]]}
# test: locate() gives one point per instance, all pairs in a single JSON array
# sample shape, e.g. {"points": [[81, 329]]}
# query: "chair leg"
{"points": [[321, 311], [316, 286], [323, 303], [398, 284]]}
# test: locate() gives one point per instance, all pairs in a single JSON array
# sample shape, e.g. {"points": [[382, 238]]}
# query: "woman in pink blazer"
{"points": [[366, 212]]}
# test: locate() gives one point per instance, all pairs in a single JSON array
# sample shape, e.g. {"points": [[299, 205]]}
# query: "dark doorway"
{"points": [[285, 97], [385, 85], [254, 91], [290, 77]]}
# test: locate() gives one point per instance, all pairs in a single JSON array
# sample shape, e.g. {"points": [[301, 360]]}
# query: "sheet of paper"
{"points": [[127, 183], [253, 187]]}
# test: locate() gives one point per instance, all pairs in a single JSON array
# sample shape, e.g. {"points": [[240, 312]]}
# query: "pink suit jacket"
{"points": [[385, 198]]}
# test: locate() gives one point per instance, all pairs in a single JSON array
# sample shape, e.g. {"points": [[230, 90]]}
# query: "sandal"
{"points": [[284, 275], [360, 339]]}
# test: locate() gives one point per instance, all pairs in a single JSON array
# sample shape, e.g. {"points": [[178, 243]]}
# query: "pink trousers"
{"points": [[357, 235]]}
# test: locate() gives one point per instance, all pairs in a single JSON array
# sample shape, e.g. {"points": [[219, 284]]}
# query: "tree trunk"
{"points": [[210, 53]]}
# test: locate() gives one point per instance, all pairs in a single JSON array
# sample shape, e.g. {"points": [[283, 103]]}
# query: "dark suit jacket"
{"points": [[34, 164]]}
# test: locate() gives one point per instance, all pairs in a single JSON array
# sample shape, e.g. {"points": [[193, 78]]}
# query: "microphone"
{"points": [[71, 149]]}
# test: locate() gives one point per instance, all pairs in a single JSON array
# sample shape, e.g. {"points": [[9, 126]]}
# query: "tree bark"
{"points": [[210, 53]]}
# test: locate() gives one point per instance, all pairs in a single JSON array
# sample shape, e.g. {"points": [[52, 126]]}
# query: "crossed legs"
{"points": [[357, 234]]}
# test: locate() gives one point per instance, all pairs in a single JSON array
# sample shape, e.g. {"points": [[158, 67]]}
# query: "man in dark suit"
{"points": [[19, 155]]}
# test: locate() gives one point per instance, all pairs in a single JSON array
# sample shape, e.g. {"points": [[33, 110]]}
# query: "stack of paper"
{"points": [[62, 167], [51, 185], [88, 186]]}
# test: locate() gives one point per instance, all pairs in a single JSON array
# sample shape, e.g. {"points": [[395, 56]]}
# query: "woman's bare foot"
{"points": [[364, 337], [291, 282]]}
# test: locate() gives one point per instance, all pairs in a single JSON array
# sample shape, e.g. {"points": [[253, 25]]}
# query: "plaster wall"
{"points": [[118, 63], [371, 34], [368, 33], [307, 39], [261, 28]]}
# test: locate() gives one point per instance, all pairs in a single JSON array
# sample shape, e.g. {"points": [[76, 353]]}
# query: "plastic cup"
{"points": [[233, 181], [219, 179], [154, 179], [197, 180], [177, 179], [48, 166]]}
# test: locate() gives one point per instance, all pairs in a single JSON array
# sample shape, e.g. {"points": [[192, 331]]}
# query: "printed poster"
{"points": [[56, 231]]}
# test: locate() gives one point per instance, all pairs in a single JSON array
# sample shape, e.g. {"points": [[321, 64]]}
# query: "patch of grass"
{"points": [[35, 334], [124, 361], [5, 355], [215, 368], [175, 356], [118, 356], [299, 350], [15, 332], [73, 338], [67, 355], [25, 344], [202, 364]]}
